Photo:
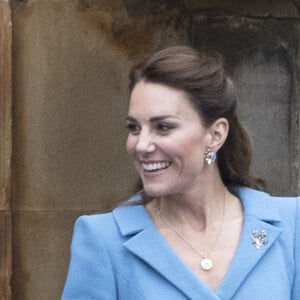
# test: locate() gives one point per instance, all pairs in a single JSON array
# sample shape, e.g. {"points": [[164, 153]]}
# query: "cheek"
{"points": [[130, 142], [193, 151]]}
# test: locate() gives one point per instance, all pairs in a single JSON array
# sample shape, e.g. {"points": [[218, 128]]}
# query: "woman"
{"points": [[200, 229]]}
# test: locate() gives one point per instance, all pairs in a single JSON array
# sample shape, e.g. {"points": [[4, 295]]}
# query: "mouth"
{"points": [[155, 166]]}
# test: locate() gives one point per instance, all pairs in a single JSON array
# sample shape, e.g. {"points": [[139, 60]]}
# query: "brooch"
{"points": [[259, 238]]}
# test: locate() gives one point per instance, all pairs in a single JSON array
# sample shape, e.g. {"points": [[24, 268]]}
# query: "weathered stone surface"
{"points": [[70, 103], [5, 255], [41, 253], [261, 56], [5, 150], [256, 8], [295, 123], [71, 60], [5, 104]]}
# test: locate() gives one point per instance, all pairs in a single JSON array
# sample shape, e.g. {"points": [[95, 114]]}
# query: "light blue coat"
{"points": [[121, 255]]}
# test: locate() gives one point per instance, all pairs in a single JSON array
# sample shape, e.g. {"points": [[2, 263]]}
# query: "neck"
{"points": [[201, 208]]}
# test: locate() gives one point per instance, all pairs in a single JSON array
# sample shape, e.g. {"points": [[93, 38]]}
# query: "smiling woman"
{"points": [[167, 139], [200, 228]]}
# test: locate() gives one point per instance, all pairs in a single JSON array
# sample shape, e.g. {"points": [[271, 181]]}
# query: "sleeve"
{"points": [[296, 284], [90, 274]]}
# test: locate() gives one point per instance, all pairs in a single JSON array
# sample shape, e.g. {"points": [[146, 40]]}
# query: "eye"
{"points": [[133, 128], [164, 127]]}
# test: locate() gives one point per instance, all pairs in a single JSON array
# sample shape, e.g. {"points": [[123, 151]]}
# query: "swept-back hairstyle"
{"points": [[202, 77]]}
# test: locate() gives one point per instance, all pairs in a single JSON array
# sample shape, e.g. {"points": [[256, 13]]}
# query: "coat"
{"points": [[121, 255]]}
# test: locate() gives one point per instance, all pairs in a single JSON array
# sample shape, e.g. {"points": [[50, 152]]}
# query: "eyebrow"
{"points": [[154, 119]]}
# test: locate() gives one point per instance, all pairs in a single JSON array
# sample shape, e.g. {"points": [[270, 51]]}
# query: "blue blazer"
{"points": [[121, 255]]}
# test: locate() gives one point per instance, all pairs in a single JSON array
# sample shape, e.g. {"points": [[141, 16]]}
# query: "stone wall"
{"points": [[5, 150], [70, 64]]}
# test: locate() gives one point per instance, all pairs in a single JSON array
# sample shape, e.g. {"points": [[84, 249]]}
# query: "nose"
{"points": [[145, 143]]}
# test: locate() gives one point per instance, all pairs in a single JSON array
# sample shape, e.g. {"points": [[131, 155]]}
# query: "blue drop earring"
{"points": [[210, 156]]}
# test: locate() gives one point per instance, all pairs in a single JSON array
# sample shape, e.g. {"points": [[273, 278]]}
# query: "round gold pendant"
{"points": [[206, 264]]}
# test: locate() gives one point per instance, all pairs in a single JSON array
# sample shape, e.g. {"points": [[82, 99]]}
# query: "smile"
{"points": [[150, 167]]}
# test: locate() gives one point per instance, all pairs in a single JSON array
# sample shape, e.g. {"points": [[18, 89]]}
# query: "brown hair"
{"points": [[202, 77]]}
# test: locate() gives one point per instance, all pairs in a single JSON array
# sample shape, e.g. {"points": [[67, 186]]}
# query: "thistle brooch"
{"points": [[259, 238]]}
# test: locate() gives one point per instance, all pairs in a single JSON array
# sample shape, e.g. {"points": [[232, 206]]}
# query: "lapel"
{"points": [[259, 214], [144, 241]]}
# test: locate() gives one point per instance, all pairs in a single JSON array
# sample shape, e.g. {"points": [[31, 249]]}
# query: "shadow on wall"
{"points": [[132, 26]]}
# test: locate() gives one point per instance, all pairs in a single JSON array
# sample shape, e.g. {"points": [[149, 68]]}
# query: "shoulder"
{"points": [[88, 222], [287, 205], [289, 211], [90, 230], [249, 194], [111, 223], [267, 207]]}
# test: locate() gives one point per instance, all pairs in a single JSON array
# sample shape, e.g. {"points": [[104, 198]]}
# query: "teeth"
{"points": [[155, 166]]}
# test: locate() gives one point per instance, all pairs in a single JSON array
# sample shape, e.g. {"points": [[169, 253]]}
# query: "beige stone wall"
{"points": [[5, 151], [70, 64], [70, 100]]}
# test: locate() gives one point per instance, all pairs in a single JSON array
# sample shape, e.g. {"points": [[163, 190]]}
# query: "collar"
{"points": [[144, 241], [133, 218], [257, 204]]}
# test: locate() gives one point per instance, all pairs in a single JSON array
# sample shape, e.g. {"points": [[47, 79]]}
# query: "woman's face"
{"points": [[166, 139]]}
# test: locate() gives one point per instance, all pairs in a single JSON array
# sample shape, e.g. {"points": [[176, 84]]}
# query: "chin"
{"points": [[155, 191]]}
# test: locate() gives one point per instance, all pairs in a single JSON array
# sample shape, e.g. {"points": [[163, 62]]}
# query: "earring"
{"points": [[210, 156]]}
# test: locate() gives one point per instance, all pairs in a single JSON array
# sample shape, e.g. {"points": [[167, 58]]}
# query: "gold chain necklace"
{"points": [[206, 263]]}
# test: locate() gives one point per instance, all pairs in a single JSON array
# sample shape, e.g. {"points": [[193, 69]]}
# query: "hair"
{"points": [[202, 77]]}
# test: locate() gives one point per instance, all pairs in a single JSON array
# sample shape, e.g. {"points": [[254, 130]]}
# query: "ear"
{"points": [[218, 132]]}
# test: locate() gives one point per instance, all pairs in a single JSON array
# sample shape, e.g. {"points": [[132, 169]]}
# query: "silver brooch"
{"points": [[259, 238]]}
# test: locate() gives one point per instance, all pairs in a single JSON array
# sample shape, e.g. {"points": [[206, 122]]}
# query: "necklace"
{"points": [[205, 263]]}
